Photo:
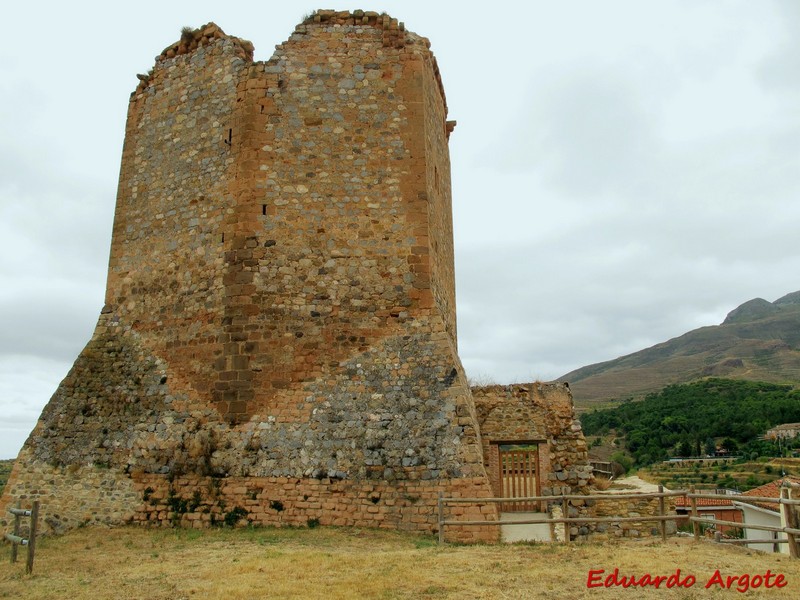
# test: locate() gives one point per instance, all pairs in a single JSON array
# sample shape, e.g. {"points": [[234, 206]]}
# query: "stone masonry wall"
{"points": [[280, 304], [75, 496], [167, 265], [542, 413]]}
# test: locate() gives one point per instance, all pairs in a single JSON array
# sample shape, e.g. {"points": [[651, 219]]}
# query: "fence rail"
{"points": [[599, 466], [17, 540], [785, 503]]}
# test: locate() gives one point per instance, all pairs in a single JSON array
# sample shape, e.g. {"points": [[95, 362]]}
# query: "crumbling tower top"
{"points": [[394, 35]]}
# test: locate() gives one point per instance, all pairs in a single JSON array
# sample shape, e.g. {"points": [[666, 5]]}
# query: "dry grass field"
{"points": [[334, 563]]}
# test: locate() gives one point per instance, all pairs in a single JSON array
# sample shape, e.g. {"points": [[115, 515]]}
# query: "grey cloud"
{"points": [[37, 323], [584, 131], [547, 314], [781, 68]]}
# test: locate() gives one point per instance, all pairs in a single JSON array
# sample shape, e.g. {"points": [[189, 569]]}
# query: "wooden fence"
{"points": [[661, 518], [601, 467], [15, 537], [791, 530]]}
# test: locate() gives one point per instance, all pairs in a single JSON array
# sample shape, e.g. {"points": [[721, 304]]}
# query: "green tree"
{"points": [[707, 410], [730, 445], [684, 449], [710, 448]]}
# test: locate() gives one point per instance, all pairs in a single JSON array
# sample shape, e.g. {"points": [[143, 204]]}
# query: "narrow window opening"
{"points": [[223, 238], [263, 209]]}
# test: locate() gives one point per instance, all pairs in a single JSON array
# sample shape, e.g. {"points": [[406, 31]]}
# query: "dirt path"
{"points": [[632, 485]]}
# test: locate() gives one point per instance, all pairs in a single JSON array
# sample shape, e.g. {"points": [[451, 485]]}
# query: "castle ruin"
{"points": [[278, 341]]}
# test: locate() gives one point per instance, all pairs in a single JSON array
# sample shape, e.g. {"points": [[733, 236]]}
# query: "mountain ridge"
{"points": [[757, 340]]}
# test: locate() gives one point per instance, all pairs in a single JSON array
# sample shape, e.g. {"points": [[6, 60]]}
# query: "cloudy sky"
{"points": [[623, 171]]}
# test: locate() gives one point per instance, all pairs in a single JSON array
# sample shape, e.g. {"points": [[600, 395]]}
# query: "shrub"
{"points": [[234, 516], [187, 36], [623, 461]]}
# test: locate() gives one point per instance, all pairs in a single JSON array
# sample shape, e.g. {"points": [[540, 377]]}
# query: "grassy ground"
{"points": [[335, 563]]}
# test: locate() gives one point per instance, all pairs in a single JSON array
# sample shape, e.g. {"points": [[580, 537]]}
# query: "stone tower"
{"points": [[278, 343]]}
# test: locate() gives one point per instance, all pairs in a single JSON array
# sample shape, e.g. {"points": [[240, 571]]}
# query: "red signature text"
{"points": [[741, 583], [746, 581], [614, 579]]}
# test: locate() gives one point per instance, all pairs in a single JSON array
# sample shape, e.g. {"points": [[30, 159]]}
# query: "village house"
{"points": [[787, 431], [722, 509], [767, 513]]}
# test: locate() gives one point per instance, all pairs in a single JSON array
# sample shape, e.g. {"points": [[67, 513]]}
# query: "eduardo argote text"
{"points": [[600, 578]]}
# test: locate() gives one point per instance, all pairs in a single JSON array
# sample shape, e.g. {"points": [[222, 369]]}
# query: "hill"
{"points": [[683, 420], [758, 341]]}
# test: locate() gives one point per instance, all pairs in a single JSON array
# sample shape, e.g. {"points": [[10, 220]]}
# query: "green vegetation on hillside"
{"points": [[5, 471], [691, 419]]}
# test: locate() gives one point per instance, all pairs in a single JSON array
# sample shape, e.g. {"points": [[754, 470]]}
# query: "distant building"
{"points": [[787, 431], [721, 509]]}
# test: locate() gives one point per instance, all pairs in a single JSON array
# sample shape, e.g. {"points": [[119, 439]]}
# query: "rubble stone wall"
{"points": [[637, 507]]}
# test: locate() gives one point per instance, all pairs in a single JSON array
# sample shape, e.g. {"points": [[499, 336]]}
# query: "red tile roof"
{"points": [[770, 490]]}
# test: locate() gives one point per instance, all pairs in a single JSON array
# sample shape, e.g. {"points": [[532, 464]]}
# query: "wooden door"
{"points": [[518, 478]]}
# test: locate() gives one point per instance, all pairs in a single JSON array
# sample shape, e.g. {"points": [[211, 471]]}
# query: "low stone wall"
{"points": [[638, 507], [608, 507], [198, 502], [75, 496]]}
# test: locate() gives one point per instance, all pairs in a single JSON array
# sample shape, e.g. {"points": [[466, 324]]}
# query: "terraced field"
{"points": [[733, 475]]}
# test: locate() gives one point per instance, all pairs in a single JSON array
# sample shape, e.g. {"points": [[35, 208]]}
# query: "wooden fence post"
{"points": [[32, 537], [695, 524], [565, 515], [789, 514], [662, 525], [441, 517]]}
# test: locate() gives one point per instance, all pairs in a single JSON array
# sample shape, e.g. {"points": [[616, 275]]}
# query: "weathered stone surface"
{"points": [[279, 330], [540, 414]]}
